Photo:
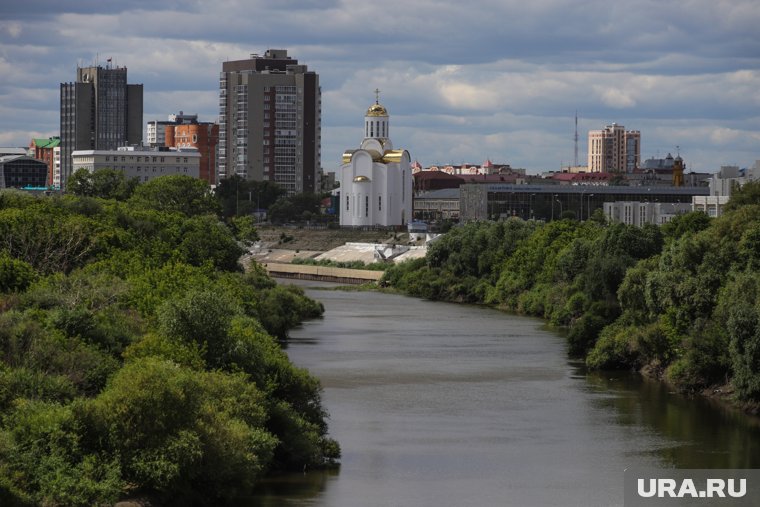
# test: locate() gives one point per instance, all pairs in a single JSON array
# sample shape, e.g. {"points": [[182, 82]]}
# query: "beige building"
{"points": [[142, 163], [270, 116], [614, 149]]}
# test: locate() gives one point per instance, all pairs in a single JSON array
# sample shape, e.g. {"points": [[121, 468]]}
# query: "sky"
{"points": [[462, 81]]}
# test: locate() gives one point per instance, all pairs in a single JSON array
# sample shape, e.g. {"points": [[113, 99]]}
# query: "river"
{"points": [[437, 404]]}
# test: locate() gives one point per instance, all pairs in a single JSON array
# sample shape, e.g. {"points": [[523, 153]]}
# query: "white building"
{"points": [[375, 180], [140, 162], [640, 213], [57, 167]]}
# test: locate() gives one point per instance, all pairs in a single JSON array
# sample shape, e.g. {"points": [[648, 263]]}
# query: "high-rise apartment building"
{"points": [[270, 121], [99, 111], [614, 149]]}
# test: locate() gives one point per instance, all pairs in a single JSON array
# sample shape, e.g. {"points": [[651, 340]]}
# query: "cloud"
{"points": [[496, 78]]}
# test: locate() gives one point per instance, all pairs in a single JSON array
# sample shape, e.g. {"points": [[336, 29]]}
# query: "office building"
{"points": [[22, 171], [99, 111], [141, 162], [270, 121], [614, 149]]}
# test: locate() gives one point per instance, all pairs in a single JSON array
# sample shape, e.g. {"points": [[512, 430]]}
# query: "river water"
{"points": [[436, 404]]}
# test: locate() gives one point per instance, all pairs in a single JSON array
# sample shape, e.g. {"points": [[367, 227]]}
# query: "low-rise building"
{"points": [[22, 171], [437, 205], [44, 149], [140, 162], [639, 213]]}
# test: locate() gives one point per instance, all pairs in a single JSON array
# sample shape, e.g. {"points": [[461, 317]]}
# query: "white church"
{"points": [[375, 180]]}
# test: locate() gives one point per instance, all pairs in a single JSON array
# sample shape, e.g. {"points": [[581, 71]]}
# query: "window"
{"points": [[379, 203], [347, 201], [366, 206]]}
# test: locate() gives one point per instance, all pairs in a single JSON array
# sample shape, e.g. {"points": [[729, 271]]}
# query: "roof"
{"points": [[377, 110], [51, 142], [444, 193]]}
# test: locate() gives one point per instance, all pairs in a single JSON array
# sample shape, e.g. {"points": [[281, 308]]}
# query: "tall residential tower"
{"points": [[99, 111], [270, 120], [614, 149]]}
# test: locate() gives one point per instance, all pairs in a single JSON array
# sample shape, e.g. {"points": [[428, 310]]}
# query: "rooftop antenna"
{"points": [[575, 159]]}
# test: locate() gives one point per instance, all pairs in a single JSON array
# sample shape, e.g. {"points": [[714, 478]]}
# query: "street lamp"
{"points": [[560, 206], [588, 210]]}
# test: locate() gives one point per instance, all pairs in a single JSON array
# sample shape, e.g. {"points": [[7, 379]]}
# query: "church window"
{"points": [[366, 206], [379, 203], [371, 129], [347, 201]]}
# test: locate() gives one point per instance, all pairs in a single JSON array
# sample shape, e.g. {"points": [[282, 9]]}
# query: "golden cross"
{"points": [[377, 96]]}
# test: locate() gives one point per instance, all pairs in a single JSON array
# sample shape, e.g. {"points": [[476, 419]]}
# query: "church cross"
{"points": [[377, 96]]}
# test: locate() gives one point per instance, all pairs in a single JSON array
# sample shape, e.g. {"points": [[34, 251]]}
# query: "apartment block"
{"points": [[270, 121], [614, 149]]}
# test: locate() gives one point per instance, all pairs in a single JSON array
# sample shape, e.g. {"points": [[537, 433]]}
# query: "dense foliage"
{"points": [[681, 301], [136, 357]]}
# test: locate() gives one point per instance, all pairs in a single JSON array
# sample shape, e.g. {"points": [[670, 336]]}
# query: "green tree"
{"points": [[177, 193], [104, 183]]}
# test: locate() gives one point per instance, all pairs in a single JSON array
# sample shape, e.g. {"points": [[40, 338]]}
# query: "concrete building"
{"points": [[437, 205], [614, 149], [270, 121], [712, 205], [376, 183], [143, 163], [22, 171], [99, 111], [639, 213], [45, 149]]}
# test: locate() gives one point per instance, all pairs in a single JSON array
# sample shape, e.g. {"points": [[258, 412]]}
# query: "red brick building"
{"points": [[201, 135], [44, 150]]}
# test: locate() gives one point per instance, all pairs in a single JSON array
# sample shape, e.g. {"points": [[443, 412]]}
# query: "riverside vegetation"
{"points": [[680, 301], [136, 356]]}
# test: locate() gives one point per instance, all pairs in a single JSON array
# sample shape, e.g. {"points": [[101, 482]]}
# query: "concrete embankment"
{"points": [[323, 273]]}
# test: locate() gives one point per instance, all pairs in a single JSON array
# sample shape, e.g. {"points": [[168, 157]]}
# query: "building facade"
{"points": [[99, 111], [143, 163], [270, 121], [550, 202], [639, 213], [376, 182], [614, 149], [204, 137], [45, 150], [22, 171], [155, 130]]}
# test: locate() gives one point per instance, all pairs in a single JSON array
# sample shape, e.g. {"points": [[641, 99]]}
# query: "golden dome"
{"points": [[377, 110]]}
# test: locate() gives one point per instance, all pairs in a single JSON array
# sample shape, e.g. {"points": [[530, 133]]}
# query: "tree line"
{"points": [[680, 301], [136, 355]]}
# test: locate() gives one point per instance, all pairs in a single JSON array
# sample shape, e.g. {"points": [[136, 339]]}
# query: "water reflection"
{"points": [[447, 405], [699, 433]]}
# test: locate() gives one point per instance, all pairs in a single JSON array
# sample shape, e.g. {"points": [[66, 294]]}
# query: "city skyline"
{"points": [[463, 82]]}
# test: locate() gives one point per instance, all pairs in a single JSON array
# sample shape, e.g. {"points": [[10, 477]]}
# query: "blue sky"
{"points": [[463, 81]]}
